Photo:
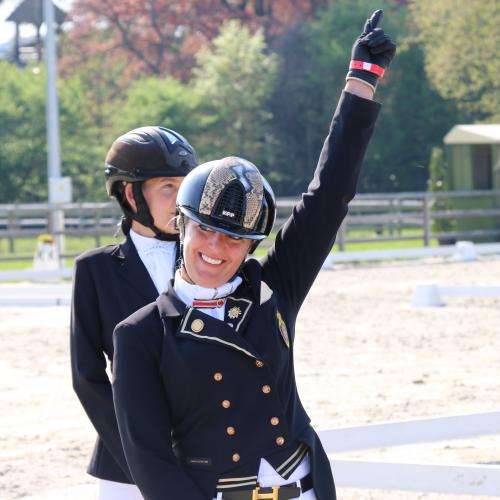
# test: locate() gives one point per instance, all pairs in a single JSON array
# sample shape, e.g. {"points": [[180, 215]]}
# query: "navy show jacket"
{"points": [[200, 401], [109, 284]]}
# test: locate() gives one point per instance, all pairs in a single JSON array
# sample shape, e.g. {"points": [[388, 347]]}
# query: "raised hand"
{"points": [[372, 52]]}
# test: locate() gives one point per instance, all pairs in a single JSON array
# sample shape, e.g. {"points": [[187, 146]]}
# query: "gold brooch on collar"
{"points": [[234, 312]]}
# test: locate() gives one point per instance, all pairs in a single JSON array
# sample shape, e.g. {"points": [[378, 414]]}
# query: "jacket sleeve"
{"points": [[88, 363], [307, 237], [143, 415]]}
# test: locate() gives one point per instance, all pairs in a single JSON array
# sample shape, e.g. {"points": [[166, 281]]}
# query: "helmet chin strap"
{"points": [[144, 217], [163, 236]]}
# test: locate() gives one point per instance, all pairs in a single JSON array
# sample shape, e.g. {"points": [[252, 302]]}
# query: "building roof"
{"points": [[31, 12], [473, 134]]}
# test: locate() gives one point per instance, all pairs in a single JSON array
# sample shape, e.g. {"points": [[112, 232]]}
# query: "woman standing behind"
{"points": [[204, 382], [144, 169]]}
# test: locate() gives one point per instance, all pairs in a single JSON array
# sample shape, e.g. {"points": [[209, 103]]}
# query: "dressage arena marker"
{"points": [[429, 294], [474, 479]]}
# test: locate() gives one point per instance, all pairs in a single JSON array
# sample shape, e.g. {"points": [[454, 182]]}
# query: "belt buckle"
{"points": [[261, 496]]}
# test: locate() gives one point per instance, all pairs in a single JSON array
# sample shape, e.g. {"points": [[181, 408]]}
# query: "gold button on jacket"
{"points": [[197, 325]]}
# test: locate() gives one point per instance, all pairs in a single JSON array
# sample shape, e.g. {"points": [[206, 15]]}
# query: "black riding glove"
{"points": [[371, 53]]}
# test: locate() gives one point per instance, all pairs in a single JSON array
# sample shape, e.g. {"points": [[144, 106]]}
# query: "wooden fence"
{"points": [[445, 216]]}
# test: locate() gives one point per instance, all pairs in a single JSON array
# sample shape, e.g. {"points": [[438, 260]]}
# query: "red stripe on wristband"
{"points": [[366, 66]]}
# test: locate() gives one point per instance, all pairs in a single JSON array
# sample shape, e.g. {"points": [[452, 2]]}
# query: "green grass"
{"points": [[15, 265], [25, 247], [418, 242], [385, 245]]}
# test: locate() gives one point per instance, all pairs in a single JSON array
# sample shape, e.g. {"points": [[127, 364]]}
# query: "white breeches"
{"points": [[111, 490]]}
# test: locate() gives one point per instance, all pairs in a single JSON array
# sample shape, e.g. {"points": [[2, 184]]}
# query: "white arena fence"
{"points": [[36, 294], [460, 251], [472, 480]]}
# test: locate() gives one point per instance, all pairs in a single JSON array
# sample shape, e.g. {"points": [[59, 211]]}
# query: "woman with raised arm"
{"points": [[204, 383]]}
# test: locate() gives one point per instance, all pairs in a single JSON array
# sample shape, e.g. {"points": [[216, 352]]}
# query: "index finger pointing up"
{"points": [[372, 23]]}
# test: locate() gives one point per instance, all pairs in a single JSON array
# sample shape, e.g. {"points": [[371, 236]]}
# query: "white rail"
{"points": [[403, 432], [35, 294], [35, 275], [476, 480]]}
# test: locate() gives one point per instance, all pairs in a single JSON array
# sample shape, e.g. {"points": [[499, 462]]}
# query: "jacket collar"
{"points": [[252, 272], [133, 271], [198, 326], [169, 304]]}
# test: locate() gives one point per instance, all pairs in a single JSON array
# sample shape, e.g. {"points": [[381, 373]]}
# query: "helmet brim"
{"points": [[222, 226]]}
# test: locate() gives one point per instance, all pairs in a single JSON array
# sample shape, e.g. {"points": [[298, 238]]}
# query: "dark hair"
{"points": [[126, 225]]}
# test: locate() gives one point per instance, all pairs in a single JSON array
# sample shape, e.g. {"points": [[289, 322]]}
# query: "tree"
{"points": [[160, 36], [83, 143], [315, 58], [234, 78], [461, 40], [160, 101], [23, 161], [22, 135], [413, 118]]}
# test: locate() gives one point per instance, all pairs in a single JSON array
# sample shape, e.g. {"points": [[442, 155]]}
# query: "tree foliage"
{"points": [[315, 57], [263, 87], [160, 101], [413, 119], [161, 36], [22, 135], [461, 40], [234, 78], [23, 161]]}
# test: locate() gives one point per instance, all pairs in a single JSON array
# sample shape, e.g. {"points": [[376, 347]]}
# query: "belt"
{"points": [[287, 492]]}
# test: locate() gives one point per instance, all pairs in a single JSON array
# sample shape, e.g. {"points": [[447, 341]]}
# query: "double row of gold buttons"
{"points": [[231, 431]]}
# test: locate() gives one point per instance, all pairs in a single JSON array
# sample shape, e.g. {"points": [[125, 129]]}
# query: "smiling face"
{"points": [[160, 194], [211, 258]]}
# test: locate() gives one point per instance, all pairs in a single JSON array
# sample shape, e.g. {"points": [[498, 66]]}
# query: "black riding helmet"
{"points": [[141, 154], [231, 196]]}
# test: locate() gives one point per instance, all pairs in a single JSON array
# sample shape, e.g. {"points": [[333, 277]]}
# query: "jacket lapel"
{"points": [[196, 325], [237, 312], [133, 271]]}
